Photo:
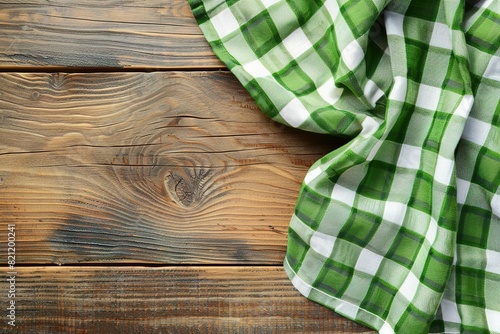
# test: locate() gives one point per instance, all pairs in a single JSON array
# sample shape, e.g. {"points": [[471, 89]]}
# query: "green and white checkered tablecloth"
{"points": [[400, 228]]}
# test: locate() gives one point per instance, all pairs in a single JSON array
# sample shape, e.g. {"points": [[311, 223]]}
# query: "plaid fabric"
{"points": [[400, 228]]}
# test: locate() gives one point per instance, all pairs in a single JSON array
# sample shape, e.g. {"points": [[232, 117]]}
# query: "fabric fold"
{"points": [[399, 229]]}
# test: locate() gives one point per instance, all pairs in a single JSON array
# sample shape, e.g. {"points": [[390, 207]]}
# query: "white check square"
{"points": [[398, 91], [368, 126], [294, 113], [394, 212], [428, 97], [349, 310], [372, 93], [329, 92], [441, 36], [450, 311], [476, 131], [313, 174], [444, 170], [224, 23], [352, 55], [431, 233], [493, 69], [322, 243], [410, 286], [409, 157], [493, 262], [495, 205], [394, 24], [462, 190], [493, 319], [386, 329], [333, 8], [343, 195], [303, 287], [256, 69], [269, 3], [368, 262], [297, 43], [465, 106]]}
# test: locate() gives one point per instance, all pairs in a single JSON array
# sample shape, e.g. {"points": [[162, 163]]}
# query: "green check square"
{"points": [[230, 60], [349, 158], [260, 33], [425, 10], [378, 180], [373, 56], [436, 270], [297, 250], [474, 226], [470, 286], [413, 318], [261, 97], [434, 137], [484, 33], [474, 330], [334, 278], [487, 170], [416, 54], [405, 247], [330, 55], [360, 228], [475, 82], [353, 84], [473, 320], [199, 11], [359, 15], [447, 216], [333, 120], [496, 116], [454, 75], [437, 326], [294, 79], [379, 297], [304, 10], [398, 131], [311, 207], [421, 195]]}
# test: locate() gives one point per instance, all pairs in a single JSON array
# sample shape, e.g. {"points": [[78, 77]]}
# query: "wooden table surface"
{"points": [[147, 191]]}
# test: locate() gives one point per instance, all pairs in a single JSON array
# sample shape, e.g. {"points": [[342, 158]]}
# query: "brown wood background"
{"points": [[148, 191]]}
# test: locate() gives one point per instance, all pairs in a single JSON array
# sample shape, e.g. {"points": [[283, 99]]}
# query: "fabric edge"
{"points": [[335, 304]]}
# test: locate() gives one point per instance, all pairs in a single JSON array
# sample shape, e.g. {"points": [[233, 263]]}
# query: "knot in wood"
{"points": [[184, 192], [185, 186], [57, 80]]}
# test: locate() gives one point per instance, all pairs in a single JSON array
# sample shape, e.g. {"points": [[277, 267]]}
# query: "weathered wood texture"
{"points": [[136, 167], [167, 300], [153, 34], [123, 169]]}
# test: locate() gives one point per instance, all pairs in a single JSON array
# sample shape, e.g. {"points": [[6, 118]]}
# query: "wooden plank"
{"points": [[166, 300], [150, 34], [146, 167]]}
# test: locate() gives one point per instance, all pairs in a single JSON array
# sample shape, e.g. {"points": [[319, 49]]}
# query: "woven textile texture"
{"points": [[399, 229]]}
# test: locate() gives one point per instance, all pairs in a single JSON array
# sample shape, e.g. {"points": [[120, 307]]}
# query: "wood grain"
{"points": [[146, 167], [167, 300], [113, 34]]}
